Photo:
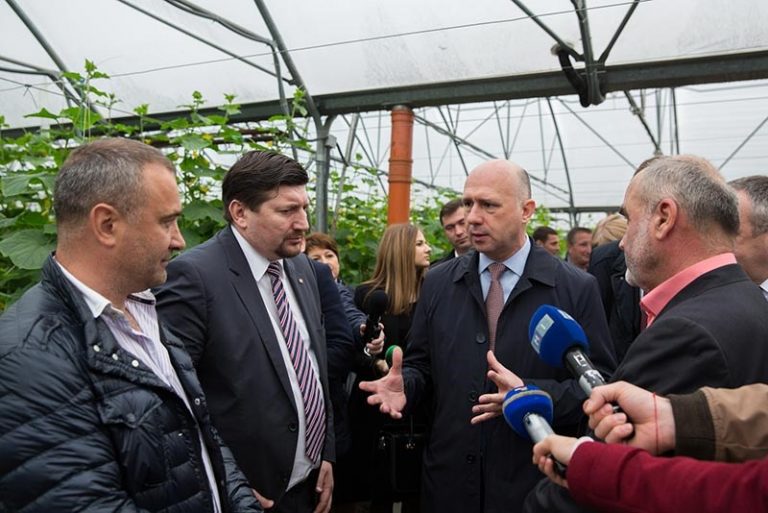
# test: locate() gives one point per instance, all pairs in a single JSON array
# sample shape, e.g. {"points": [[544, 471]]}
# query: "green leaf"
{"points": [[230, 109], [198, 210], [193, 142], [82, 117], [217, 120], [27, 249], [176, 124], [43, 113], [72, 75], [16, 184]]}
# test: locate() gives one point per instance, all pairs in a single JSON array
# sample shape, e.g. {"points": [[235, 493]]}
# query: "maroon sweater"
{"points": [[618, 478]]}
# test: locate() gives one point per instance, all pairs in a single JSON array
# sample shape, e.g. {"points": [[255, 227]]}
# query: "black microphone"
{"points": [[374, 306]]}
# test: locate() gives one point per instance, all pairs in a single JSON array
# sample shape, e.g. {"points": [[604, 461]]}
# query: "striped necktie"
{"points": [[314, 408]]}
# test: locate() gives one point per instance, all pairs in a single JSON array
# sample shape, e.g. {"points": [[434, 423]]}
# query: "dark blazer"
{"points": [[487, 467], [213, 303], [713, 333], [450, 255], [620, 299]]}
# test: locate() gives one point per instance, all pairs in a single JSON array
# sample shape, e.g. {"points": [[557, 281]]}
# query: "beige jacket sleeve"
{"points": [[722, 424], [740, 419]]}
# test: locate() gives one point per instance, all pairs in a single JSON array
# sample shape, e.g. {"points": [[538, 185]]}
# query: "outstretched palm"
{"points": [[388, 392]]}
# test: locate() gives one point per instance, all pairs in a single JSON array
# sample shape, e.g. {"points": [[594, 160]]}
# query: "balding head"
{"points": [[505, 172]]}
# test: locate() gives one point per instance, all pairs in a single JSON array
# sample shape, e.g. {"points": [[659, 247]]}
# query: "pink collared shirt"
{"points": [[655, 301]]}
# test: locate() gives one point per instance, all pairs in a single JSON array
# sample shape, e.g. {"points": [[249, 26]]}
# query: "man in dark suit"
{"points": [[472, 466], [707, 322], [247, 307], [452, 219], [621, 300]]}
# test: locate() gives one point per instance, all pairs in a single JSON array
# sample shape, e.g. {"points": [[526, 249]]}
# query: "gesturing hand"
{"points": [[489, 405], [388, 392]]}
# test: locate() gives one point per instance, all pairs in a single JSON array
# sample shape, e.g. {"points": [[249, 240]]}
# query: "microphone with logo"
{"points": [[561, 342], [374, 307], [528, 410]]}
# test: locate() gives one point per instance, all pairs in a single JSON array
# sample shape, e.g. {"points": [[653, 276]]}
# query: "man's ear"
{"points": [[237, 211], [529, 208], [105, 223], [665, 217]]}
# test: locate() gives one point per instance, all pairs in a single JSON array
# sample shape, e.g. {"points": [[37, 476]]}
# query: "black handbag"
{"points": [[402, 450]]}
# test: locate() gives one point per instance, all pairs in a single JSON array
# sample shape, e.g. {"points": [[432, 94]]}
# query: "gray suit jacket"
{"points": [[212, 303]]}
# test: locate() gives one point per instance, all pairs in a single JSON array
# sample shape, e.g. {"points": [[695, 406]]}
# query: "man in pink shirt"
{"points": [[707, 321]]}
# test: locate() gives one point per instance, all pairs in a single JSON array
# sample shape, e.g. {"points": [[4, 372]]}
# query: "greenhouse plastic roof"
{"points": [[488, 64]]}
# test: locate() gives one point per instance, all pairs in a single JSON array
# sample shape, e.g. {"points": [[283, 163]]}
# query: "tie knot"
{"points": [[496, 269], [275, 269]]}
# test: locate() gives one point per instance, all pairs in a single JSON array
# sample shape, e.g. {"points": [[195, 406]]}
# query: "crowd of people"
{"points": [[245, 375]]}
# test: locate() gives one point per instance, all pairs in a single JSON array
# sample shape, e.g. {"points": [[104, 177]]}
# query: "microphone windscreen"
{"points": [[552, 332], [523, 400], [376, 303]]}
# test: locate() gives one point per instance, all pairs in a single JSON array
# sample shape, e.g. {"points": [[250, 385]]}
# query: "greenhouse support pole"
{"points": [[325, 142], [400, 165]]}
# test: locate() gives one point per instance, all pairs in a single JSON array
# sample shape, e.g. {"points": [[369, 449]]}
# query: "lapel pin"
{"points": [[301, 280]]}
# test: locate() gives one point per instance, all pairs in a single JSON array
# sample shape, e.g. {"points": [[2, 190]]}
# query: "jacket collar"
{"points": [[103, 353], [540, 266]]}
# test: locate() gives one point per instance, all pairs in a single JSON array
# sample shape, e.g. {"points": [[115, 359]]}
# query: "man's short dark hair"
{"points": [[571, 237], [254, 179], [104, 171], [542, 233], [450, 207]]}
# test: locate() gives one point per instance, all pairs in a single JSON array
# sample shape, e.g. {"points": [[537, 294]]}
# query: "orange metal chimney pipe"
{"points": [[400, 165]]}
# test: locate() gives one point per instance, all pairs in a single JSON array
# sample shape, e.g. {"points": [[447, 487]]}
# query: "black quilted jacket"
{"points": [[82, 428]]}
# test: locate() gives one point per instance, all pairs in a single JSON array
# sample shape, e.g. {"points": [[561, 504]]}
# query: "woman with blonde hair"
{"points": [[401, 263], [609, 229], [402, 260]]}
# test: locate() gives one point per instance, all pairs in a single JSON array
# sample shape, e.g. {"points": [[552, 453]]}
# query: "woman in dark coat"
{"points": [[401, 263]]}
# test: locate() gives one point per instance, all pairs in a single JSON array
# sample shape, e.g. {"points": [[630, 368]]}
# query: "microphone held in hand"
{"points": [[374, 307], [561, 342], [528, 410]]}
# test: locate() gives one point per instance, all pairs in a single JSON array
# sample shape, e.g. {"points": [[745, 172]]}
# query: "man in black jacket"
{"points": [[705, 319], [100, 407]]}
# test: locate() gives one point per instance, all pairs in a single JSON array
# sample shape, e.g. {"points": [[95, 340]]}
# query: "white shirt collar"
{"points": [[515, 263], [95, 301], [256, 262]]}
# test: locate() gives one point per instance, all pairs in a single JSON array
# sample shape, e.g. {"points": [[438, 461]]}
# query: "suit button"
{"points": [[480, 338], [130, 418], [470, 458], [293, 427], [472, 396], [197, 401]]}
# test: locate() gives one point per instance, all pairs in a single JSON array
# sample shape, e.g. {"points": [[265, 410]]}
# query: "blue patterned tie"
{"points": [[314, 408]]}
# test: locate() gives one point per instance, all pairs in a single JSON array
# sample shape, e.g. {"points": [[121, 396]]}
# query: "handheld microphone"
{"points": [[528, 410], [374, 306], [561, 342]]}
